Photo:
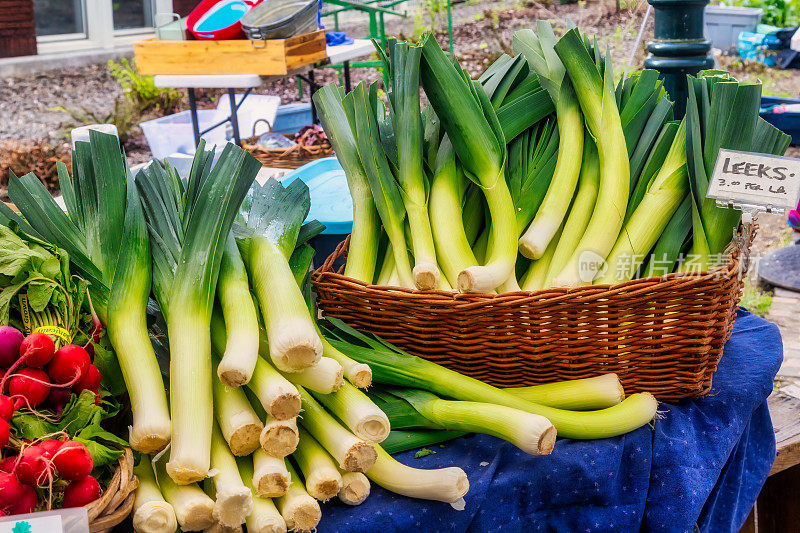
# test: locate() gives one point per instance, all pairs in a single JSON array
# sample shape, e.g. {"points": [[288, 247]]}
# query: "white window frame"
{"points": [[98, 16]]}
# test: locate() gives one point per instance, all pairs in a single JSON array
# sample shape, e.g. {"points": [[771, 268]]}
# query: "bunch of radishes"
{"points": [[36, 374], [37, 465]]}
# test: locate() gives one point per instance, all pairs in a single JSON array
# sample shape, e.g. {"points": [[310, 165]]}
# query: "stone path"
{"points": [[785, 312]]}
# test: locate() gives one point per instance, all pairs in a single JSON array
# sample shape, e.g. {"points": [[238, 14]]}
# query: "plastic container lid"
{"points": [[331, 203]]}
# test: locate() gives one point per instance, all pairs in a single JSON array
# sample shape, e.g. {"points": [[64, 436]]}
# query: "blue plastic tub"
{"points": [[291, 117], [331, 203], [788, 121]]}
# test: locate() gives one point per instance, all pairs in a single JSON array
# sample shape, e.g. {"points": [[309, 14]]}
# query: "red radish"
{"points": [[37, 349], [81, 492], [58, 399], [29, 387], [27, 502], [35, 468], [15, 498], [73, 461], [69, 364], [4, 433], [10, 341], [9, 464], [89, 381], [50, 446], [6, 407]]}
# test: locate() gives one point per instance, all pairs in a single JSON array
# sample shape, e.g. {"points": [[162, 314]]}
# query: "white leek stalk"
{"points": [[298, 508], [445, 204], [471, 124], [586, 394], [279, 437], [187, 249], [538, 50], [579, 213], [536, 276], [363, 249], [234, 501], [355, 488], [663, 197], [407, 123], [241, 321], [293, 340], [352, 453], [220, 528], [265, 517], [151, 512], [325, 376], [270, 478], [359, 374], [595, 90], [356, 410], [194, 509], [237, 420], [533, 434], [275, 393], [441, 484], [323, 480]]}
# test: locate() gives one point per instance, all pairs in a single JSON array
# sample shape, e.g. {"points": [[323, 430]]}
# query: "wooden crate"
{"points": [[267, 58]]}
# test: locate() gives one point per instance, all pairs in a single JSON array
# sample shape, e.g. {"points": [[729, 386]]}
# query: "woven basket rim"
{"points": [[583, 294], [116, 502]]}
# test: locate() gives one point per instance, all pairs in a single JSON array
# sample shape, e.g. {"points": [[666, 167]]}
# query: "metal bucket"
{"points": [[280, 19]]}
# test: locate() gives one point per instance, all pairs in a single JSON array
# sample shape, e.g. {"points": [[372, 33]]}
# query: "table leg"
{"points": [[234, 117], [347, 83], [776, 508], [193, 113], [312, 87]]}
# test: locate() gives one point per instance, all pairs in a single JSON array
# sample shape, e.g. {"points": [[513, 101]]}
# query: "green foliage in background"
{"points": [[779, 13], [141, 90]]}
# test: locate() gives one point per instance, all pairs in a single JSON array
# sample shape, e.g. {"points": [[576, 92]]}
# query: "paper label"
{"points": [[764, 180], [25, 311], [55, 331], [44, 524]]}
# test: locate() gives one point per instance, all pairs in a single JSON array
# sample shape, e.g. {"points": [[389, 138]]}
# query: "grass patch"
{"points": [[755, 299]]}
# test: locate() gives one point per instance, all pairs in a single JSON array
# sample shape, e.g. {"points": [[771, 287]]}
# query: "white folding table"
{"points": [[336, 54]]}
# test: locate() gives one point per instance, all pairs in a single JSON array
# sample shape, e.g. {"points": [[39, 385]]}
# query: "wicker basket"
{"points": [[116, 503], [661, 335], [293, 157]]}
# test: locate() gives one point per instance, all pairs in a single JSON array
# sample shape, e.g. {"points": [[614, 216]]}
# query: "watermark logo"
{"points": [[590, 266]]}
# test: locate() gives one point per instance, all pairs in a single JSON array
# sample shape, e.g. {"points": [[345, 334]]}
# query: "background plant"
{"points": [[141, 91]]}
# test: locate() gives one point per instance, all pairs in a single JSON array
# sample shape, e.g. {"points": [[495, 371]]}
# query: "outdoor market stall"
{"points": [[537, 257]]}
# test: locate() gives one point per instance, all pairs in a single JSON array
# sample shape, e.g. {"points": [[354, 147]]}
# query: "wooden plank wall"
{"points": [[17, 28]]}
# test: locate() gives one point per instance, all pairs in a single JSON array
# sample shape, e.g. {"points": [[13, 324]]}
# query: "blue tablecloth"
{"points": [[704, 463]]}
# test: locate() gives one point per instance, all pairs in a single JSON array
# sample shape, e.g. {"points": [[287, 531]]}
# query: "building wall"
{"points": [[181, 7], [17, 28]]}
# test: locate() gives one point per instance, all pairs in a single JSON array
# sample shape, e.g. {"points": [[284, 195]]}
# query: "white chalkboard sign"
{"points": [[763, 180]]}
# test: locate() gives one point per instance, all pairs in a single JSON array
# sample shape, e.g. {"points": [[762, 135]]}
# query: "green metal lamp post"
{"points": [[679, 46]]}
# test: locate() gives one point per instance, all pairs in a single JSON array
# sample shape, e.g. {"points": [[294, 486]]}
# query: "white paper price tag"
{"points": [[755, 180], [74, 520], [44, 524]]}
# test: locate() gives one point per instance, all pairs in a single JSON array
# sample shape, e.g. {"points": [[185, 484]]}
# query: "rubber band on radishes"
{"points": [[10, 342], [29, 387], [69, 364], [37, 349], [73, 461], [81, 492]]}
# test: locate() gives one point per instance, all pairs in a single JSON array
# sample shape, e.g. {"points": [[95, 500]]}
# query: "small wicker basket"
{"points": [[116, 502], [661, 335], [293, 157]]}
